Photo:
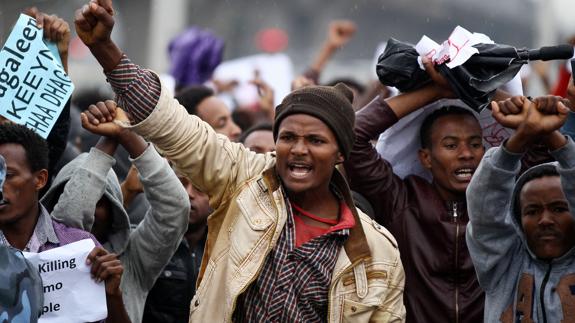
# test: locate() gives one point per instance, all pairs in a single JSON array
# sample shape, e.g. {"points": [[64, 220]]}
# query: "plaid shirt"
{"points": [[293, 285]]}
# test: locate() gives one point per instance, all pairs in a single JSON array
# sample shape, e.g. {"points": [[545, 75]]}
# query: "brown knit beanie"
{"points": [[330, 104]]}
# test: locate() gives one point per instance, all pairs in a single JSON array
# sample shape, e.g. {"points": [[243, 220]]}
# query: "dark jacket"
{"points": [[441, 285], [169, 300]]}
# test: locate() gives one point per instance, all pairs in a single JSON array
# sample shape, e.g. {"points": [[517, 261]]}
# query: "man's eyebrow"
{"points": [[452, 137], [449, 137], [558, 202]]}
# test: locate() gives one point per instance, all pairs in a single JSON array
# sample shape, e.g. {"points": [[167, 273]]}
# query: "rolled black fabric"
{"points": [[397, 66], [330, 104]]}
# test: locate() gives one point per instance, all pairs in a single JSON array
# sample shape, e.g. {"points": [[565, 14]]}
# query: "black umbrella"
{"points": [[475, 81], [397, 66]]}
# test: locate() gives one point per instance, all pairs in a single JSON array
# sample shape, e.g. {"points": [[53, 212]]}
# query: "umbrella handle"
{"points": [[548, 53], [494, 61]]}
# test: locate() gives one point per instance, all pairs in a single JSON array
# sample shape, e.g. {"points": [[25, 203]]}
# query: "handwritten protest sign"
{"points": [[70, 294], [33, 85]]}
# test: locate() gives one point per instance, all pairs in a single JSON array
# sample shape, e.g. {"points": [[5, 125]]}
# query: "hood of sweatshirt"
{"points": [[120, 231], [516, 210]]}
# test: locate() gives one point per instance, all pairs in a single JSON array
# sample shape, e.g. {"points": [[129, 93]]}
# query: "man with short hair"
{"points": [[285, 242], [428, 219], [521, 234], [259, 138], [26, 225], [24, 222]]}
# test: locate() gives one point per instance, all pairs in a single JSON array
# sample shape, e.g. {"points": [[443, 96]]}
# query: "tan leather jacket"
{"points": [[250, 212]]}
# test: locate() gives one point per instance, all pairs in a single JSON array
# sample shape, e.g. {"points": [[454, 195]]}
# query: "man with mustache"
{"points": [[521, 234]]}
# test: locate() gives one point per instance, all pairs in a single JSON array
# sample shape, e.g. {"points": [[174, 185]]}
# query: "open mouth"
{"points": [[3, 202], [299, 170], [464, 174]]}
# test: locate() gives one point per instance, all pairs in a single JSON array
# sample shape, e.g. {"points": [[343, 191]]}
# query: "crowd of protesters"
{"points": [[289, 213]]}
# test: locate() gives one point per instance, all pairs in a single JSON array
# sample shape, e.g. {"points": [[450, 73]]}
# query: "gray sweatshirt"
{"points": [[518, 286], [147, 249]]}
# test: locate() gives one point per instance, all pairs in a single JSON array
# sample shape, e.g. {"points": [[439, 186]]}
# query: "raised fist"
{"points": [[340, 32], [104, 118], [94, 22]]}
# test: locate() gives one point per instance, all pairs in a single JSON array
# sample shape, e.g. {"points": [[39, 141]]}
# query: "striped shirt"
{"points": [[137, 90], [293, 285]]}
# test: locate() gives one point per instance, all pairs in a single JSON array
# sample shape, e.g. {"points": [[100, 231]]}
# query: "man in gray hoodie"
{"points": [[86, 194], [521, 235]]}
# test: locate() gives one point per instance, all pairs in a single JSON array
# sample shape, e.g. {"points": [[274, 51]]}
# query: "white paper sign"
{"points": [[275, 69], [456, 50], [70, 294]]}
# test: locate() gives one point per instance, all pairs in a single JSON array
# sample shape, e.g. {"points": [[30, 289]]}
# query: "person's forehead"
{"points": [[303, 123], [455, 125], [543, 188], [212, 108], [13, 153], [259, 136]]}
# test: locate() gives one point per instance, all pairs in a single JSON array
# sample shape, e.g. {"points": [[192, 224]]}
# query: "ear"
{"points": [[424, 155], [40, 179], [339, 159]]}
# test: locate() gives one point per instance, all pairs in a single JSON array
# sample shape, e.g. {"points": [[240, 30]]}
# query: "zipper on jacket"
{"points": [[456, 262], [542, 293]]}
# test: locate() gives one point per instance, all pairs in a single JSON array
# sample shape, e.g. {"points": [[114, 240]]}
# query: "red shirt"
{"points": [[305, 232]]}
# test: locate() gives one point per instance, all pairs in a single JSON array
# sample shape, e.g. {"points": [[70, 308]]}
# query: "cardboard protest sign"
{"points": [[70, 294], [33, 85]]}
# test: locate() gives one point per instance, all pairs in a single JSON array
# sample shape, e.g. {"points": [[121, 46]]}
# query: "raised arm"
{"points": [[215, 165], [88, 179], [491, 235], [56, 30], [368, 173], [566, 160], [339, 34]]}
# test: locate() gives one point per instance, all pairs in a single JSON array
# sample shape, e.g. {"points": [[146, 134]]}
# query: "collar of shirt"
{"points": [[43, 233], [346, 219]]}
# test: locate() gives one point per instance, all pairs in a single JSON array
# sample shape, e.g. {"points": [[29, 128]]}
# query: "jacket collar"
{"points": [[355, 246]]}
